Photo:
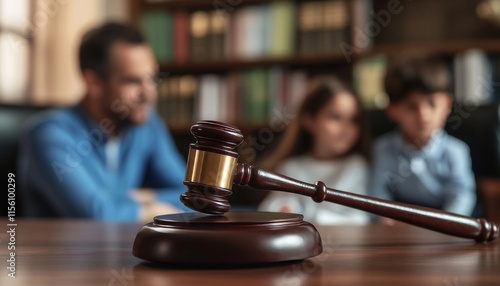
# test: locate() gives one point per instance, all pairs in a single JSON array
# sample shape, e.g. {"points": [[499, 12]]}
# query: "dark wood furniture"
{"points": [[237, 238], [69, 252]]}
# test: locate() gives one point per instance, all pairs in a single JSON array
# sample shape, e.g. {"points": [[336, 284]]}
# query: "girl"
{"points": [[326, 142]]}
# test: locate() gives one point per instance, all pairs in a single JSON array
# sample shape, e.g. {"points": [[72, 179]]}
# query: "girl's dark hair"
{"points": [[297, 141]]}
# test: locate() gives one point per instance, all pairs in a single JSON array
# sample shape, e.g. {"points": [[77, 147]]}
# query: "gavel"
{"points": [[212, 169]]}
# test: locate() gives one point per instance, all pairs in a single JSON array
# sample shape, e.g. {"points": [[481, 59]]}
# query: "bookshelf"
{"points": [[235, 65], [199, 4], [208, 48]]}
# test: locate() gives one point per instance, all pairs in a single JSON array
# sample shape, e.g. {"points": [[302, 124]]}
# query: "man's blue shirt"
{"points": [[71, 167], [439, 175]]}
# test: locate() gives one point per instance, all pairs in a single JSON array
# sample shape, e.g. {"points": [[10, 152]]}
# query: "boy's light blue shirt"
{"points": [[437, 176], [68, 168]]}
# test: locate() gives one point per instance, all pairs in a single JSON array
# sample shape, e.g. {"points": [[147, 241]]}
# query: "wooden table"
{"points": [[67, 252]]}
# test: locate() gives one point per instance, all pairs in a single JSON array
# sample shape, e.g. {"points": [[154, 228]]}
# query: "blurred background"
{"points": [[222, 46], [248, 62]]}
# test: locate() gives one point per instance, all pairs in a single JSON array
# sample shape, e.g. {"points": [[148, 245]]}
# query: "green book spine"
{"points": [[255, 95], [164, 34], [368, 81], [149, 27], [283, 28], [169, 29]]}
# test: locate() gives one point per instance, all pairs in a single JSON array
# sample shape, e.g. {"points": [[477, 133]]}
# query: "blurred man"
{"points": [[92, 160]]}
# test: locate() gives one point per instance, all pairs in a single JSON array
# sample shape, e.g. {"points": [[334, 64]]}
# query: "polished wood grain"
{"points": [[236, 238], [222, 66], [64, 252]]}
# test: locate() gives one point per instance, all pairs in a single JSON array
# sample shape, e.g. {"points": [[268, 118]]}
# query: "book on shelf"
{"points": [[281, 31], [176, 99], [253, 42], [362, 15], [210, 100], [268, 30], [429, 21], [188, 88], [276, 88], [181, 36], [296, 83], [473, 74], [255, 95], [323, 26], [473, 78], [309, 27], [234, 104], [158, 26], [208, 31], [219, 24], [368, 81], [335, 28], [199, 36]]}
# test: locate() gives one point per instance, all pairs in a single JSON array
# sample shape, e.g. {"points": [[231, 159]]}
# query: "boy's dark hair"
{"points": [[417, 74], [94, 52]]}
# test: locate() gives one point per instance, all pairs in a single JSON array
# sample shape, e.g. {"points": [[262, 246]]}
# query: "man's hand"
{"points": [[150, 207], [143, 196]]}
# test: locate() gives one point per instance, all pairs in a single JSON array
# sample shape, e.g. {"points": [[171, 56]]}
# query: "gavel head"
{"points": [[211, 167]]}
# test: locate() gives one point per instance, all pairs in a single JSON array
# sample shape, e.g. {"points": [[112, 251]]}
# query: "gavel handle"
{"points": [[457, 225]]}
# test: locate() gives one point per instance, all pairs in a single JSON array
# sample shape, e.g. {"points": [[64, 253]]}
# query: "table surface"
{"points": [[72, 252]]}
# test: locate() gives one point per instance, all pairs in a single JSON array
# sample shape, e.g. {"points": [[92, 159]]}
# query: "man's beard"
{"points": [[124, 113]]}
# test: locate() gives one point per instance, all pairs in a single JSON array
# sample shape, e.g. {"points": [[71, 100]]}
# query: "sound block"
{"points": [[235, 238]]}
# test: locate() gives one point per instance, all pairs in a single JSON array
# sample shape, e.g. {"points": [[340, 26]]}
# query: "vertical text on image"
{"points": [[11, 225]]}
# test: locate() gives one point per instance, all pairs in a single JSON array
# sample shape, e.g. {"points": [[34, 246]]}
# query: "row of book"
{"points": [[275, 29], [428, 21], [255, 95], [474, 74], [252, 96]]}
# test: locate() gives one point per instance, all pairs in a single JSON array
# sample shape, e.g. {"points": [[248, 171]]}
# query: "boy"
{"points": [[420, 163]]}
